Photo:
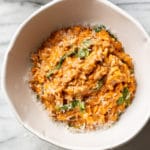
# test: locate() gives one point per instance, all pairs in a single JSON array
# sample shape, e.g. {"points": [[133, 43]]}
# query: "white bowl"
{"points": [[37, 28]]}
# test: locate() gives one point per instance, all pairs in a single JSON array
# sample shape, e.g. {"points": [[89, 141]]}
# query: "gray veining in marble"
{"points": [[12, 135]]}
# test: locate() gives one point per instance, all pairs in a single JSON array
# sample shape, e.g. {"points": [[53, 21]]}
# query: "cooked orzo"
{"points": [[83, 77]]}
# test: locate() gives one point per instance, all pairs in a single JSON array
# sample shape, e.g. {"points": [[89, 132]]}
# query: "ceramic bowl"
{"points": [[35, 30]]}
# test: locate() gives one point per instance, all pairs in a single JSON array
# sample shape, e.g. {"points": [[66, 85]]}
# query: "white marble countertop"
{"points": [[13, 136]]}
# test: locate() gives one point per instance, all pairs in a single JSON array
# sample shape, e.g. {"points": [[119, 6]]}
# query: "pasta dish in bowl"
{"points": [[83, 77]]}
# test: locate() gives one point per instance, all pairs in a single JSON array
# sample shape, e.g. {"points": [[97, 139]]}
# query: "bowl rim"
{"points": [[6, 56]]}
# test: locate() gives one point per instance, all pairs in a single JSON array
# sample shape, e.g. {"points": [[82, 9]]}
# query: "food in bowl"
{"points": [[83, 77]]}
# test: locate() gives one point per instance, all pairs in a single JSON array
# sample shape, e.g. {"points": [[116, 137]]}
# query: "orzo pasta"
{"points": [[83, 77]]}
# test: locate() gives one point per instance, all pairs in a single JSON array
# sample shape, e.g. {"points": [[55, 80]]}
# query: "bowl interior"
{"points": [[36, 29]]}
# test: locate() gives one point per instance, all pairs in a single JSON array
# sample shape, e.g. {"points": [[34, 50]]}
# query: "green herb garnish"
{"points": [[65, 107], [82, 53], [78, 103], [111, 34], [73, 104], [99, 28], [87, 43], [82, 105], [102, 27], [58, 66], [120, 100], [99, 85], [50, 73], [125, 92], [125, 98]]}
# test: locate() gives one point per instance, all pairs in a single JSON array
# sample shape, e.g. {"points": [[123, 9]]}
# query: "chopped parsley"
{"points": [[58, 66], [99, 28], [78, 103], [99, 85], [120, 101], [65, 107], [84, 50], [111, 34], [73, 104], [82, 53], [50, 73], [102, 27], [82, 105], [87, 43], [125, 93], [125, 98]]}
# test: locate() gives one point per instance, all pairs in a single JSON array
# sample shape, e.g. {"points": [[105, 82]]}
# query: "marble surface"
{"points": [[12, 135]]}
